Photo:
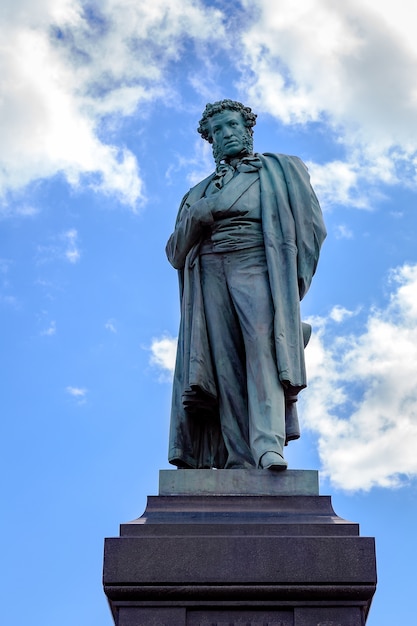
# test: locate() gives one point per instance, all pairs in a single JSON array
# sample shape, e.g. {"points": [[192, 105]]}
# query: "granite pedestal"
{"points": [[239, 547]]}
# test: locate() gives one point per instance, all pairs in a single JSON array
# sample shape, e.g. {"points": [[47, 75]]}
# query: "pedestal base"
{"points": [[239, 547]]}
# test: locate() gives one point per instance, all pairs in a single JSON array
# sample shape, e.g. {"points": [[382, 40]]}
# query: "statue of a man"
{"points": [[246, 244]]}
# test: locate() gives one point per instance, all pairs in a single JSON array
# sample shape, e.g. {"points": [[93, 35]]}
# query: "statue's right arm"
{"points": [[191, 221]]}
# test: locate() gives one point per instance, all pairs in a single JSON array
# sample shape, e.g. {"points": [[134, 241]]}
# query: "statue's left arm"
{"points": [[311, 234], [310, 230]]}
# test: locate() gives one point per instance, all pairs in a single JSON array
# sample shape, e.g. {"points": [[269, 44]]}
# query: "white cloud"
{"points": [[5, 265], [343, 232], [10, 301], [110, 326], [334, 182], [362, 394], [69, 70], [78, 393], [339, 314], [72, 252], [22, 210], [50, 331], [350, 65], [66, 65], [163, 353], [63, 246], [348, 183]]}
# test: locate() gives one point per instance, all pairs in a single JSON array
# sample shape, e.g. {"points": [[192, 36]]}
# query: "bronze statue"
{"points": [[246, 244]]}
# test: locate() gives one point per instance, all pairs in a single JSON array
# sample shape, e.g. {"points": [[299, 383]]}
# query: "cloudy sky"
{"points": [[99, 105]]}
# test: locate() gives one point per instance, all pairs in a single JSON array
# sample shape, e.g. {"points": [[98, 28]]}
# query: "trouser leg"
{"points": [[228, 355], [250, 291]]}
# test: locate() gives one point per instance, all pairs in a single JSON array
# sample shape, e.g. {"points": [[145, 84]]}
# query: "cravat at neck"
{"points": [[226, 171]]}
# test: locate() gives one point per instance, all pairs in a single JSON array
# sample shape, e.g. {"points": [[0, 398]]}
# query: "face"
{"points": [[228, 131]]}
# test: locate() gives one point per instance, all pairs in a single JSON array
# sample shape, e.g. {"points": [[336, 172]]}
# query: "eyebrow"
{"points": [[232, 120]]}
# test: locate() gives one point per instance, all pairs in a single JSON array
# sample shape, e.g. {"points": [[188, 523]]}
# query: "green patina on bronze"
{"points": [[246, 245]]}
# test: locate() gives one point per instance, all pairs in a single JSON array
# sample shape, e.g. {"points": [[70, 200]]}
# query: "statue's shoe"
{"points": [[273, 461]]}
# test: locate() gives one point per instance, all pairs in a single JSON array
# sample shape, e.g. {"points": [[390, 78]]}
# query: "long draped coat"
{"points": [[293, 231]]}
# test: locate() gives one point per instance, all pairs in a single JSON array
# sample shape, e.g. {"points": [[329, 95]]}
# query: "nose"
{"points": [[227, 132]]}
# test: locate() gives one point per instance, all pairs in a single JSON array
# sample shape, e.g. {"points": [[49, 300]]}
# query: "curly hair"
{"points": [[249, 117]]}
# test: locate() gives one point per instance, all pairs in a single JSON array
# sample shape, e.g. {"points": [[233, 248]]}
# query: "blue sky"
{"points": [[99, 107]]}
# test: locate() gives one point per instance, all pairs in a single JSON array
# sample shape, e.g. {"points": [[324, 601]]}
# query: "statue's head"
{"points": [[228, 126]]}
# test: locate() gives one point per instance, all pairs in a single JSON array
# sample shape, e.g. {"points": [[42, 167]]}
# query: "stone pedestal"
{"points": [[239, 547]]}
